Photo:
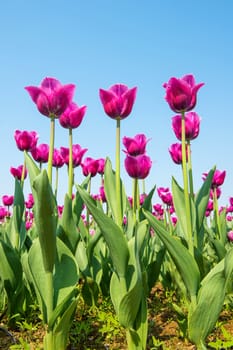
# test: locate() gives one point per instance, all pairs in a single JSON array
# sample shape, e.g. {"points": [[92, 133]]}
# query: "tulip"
{"points": [[175, 151], [17, 172], [181, 94], [3, 213], [40, 153], [77, 153], [230, 236], [118, 100], [26, 140], [51, 97], [72, 117], [101, 162], [138, 167], [136, 145], [58, 160], [102, 194], [90, 166], [192, 125], [165, 195], [7, 200], [30, 201], [218, 178]]}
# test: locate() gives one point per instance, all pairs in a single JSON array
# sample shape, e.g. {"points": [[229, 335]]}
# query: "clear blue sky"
{"points": [[95, 44]]}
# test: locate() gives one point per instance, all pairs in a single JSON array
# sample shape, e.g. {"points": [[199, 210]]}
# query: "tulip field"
{"points": [[110, 270]]}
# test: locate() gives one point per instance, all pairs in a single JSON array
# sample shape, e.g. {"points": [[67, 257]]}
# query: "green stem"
{"points": [[186, 187], [118, 176], [216, 213], [56, 183], [136, 200], [49, 288], [23, 170], [51, 148], [70, 169], [190, 171]]}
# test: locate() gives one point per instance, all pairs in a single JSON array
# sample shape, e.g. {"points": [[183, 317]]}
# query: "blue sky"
{"points": [[95, 44]]}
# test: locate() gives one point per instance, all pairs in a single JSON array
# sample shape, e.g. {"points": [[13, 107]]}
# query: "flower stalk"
{"points": [[118, 176], [51, 147]]}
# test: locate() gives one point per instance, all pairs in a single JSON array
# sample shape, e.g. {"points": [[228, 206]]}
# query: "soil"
{"points": [[164, 332]]}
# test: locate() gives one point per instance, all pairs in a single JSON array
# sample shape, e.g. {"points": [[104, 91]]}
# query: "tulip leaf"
{"points": [[45, 213], [185, 263], [210, 300], [67, 229], [32, 168], [110, 189], [112, 233], [179, 204]]}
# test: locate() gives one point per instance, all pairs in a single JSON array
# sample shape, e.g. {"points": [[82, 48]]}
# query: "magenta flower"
{"points": [[230, 236], [138, 167], [7, 200], [192, 125], [3, 213], [77, 153], [136, 145], [51, 97], [101, 166], [72, 117], [218, 178], [90, 166], [165, 195], [26, 140], [58, 160], [40, 153], [102, 194], [118, 100], [175, 151], [181, 94], [30, 201], [17, 172]]}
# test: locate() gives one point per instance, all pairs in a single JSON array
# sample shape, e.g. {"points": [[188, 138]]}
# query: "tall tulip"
{"points": [[135, 145], [26, 140], [40, 153], [175, 151], [118, 102], [52, 98], [192, 125], [138, 167]]}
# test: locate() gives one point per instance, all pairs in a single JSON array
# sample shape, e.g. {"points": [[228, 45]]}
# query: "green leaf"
{"points": [[179, 204], [67, 229], [146, 204], [45, 213], [32, 168], [110, 189], [185, 263], [113, 234]]}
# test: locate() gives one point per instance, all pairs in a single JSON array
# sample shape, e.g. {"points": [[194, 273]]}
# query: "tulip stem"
{"points": [[190, 170], [216, 213], [136, 202], [70, 169], [118, 177], [56, 183], [186, 187], [51, 147]]}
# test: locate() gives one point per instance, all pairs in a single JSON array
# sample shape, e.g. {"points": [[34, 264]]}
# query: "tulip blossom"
{"points": [[175, 151], [138, 167], [118, 100], [17, 172], [165, 195], [40, 153], [30, 201], [72, 117], [51, 97], [77, 153], [3, 213], [218, 178], [192, 125], [90, 166], [181, 94], [7, 200], [101, 162], [102, 194], [230, 236], [136, 145], [26, 140], [58, 160]]}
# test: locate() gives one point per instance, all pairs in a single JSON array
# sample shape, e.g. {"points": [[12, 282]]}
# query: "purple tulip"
{"points": [[40, 153], [218, 178], [51, 97], [77, 153], [26, 140], [7, 200], [101, 166], [192, 125], [175, 151], [165, 195], [181, 94], [30, 201], [58, 160], [90, 166], [136, 145], [118, 100], [17, 172], [138, 167], [72, 117], [3, 213], [230, 236]]}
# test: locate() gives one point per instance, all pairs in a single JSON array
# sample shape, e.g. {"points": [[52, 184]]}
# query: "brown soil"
{"points": [[164, 332]]}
